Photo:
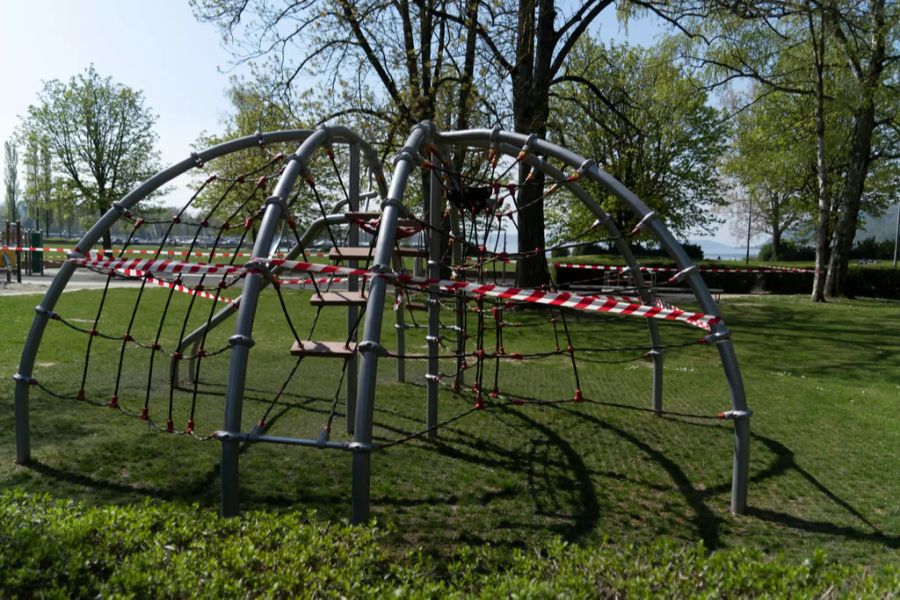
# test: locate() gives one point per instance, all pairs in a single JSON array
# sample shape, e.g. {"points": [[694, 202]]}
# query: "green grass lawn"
{"points": [[823, 382]]}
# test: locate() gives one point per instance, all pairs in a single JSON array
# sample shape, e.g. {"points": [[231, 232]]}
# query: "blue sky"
{"points": [[157, 47]]}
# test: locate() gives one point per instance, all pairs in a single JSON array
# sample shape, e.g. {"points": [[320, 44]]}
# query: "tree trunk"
{"points": [[776, 243], [531, 107], [851, 198], [823, 221]]}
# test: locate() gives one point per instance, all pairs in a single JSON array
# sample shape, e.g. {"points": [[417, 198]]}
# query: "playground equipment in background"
{"points": [[261, 205], [12, 255]]}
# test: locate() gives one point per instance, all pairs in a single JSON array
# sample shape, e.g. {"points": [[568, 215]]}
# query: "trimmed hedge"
{"points": [[863, 281], [62, 548]]}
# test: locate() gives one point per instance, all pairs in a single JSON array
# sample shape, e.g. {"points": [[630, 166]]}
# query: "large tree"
{"points": [[11, 178], [652, 129], [99, 134], [803, 47], [401, 62], [772, 166]]}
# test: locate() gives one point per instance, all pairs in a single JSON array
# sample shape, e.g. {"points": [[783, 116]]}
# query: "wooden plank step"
{"points": [[339, 299], [313, 348], [362, 253], [416, 306], [372, 216]]}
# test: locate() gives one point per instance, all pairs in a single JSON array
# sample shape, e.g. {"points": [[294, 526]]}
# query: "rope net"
{"points": [[499, 347]]}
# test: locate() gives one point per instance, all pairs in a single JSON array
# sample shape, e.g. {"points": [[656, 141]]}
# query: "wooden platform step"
{"points": [[323, 349], [339, 299], [362, 253], [372, 216]]}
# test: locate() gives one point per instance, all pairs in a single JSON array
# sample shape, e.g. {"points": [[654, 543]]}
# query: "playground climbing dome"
{"points": [[222, 335]]}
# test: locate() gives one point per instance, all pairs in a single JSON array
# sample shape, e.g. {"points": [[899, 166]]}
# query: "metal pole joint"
{"points": [[717, 337], [730, 415], [241, 340], [372, 346]]}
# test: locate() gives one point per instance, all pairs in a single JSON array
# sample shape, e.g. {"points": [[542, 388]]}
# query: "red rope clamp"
{"points": [[113, 402], [189, 428], [145, 414]]}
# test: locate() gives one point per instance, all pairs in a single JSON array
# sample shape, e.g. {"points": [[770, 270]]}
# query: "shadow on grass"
{"points": [[560, 484]]}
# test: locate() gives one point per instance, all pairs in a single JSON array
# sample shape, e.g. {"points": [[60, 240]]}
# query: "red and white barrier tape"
{"points": [[620, 268], [178, 287], [149, 252], [597, 303]]}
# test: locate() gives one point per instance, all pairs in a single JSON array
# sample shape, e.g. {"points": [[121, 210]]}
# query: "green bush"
{"points": [[869, 249], [789, 250], [61, 548]]}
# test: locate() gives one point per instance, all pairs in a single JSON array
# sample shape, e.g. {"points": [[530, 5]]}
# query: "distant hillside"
{"points": [[883, 227]]}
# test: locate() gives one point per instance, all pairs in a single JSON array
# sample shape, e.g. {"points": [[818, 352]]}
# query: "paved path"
{"points": [[82, 279]]}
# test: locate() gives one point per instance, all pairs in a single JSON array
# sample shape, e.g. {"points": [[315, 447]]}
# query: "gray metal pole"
{"points": [[434, 306], [370, 348], [241, 341], [352, 286]]}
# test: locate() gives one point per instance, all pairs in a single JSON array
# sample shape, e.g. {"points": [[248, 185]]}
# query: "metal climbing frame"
{"points": [[529, 150]]}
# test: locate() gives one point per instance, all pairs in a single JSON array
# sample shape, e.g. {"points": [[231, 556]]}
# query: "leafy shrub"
{"points": [[872, 250], [789, 250], [164, 550]]}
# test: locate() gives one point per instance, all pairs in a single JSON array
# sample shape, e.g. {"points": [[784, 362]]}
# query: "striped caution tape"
{"points": [[178, 287], [149, 252], [595, 303]]}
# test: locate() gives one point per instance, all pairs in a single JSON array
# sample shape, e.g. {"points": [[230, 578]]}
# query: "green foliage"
{"points": [[772, 162], [10, 179], [789, 250], [166, 550], [475, 512], [871, 249], [648, 125], [99, 134]]}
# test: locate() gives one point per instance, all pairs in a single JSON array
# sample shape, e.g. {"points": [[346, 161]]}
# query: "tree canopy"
{"points": [[99, 135], [10, 179], [651, 128]]}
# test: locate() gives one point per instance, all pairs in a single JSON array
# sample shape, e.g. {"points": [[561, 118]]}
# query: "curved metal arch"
{"points": [[254, 282], [29, 352], [604, 219], [370, 348]]}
